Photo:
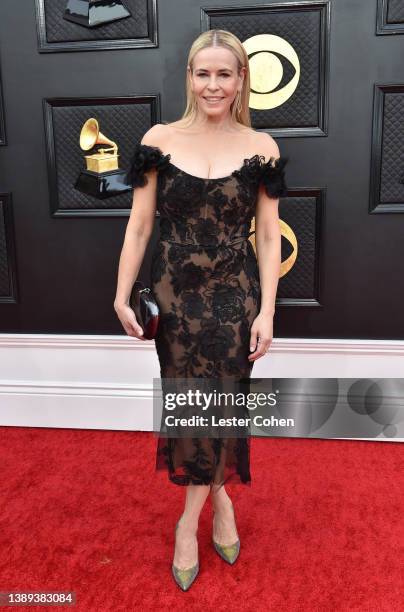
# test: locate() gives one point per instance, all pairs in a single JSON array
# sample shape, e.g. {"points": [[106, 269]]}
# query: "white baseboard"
{"points": [[106, 382]]}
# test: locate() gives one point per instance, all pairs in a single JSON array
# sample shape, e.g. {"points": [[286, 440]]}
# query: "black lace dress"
{"points": [[205, 278]]}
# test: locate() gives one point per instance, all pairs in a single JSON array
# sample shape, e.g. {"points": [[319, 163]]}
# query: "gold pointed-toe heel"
{"points": [[228, 553], [184, 577]]}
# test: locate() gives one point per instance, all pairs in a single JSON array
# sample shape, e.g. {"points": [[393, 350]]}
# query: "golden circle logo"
{"points": [[267, 71], [289, 235]]}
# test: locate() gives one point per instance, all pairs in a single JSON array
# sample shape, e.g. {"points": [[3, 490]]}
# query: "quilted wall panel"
{"points": [[2, 117], [387, 164], [123, 121], [8, 272], [306, 30], [56, 33], [390, 17], [302, 213]]}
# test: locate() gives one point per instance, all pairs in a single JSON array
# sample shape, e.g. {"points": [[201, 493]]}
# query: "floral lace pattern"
{"points": [[205, 278], [253, 169]]}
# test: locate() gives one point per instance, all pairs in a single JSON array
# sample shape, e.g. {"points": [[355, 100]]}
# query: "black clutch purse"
{"points": [[145, 307]]}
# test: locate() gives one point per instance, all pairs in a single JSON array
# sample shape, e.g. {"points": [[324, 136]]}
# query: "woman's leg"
{"points": [[225, 530], [186, 543]]}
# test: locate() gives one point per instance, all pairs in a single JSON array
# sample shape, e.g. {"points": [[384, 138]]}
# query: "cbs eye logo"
{"points": [[289, 235], [268, 72]]}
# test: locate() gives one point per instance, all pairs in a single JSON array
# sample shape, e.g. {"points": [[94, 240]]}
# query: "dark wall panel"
{"points": [[340, 128]]}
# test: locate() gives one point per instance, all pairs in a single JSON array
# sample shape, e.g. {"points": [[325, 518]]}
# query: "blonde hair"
{"points": [[220, 38]]}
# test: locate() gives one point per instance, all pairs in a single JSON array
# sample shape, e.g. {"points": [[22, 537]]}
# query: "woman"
{"points": [[216, 305]]}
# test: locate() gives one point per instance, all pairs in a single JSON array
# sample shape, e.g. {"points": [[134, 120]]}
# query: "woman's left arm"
{"points": [[268, 248]]}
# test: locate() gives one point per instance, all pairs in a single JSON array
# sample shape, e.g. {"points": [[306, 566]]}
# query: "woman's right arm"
{"points": [[138, 232]]}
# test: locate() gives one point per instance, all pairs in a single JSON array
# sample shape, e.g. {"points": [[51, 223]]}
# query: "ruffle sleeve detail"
{"points": [[144, 158], [272, 175]]}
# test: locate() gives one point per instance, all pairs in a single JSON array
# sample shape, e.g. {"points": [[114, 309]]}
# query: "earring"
{"points": [[239, 105]]}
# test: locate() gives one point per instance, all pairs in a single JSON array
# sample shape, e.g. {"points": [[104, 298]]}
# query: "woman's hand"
{"points": [[261, 336], [128, 319]]}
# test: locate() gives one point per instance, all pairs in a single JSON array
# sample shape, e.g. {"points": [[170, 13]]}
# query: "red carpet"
{"points": [[321, 528]]}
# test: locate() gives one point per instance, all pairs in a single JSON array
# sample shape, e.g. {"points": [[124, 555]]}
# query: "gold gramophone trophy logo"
{"points": [[102, 177]]}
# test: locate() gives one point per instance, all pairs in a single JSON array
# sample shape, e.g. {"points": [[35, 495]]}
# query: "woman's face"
{"points": [[215, 80]]}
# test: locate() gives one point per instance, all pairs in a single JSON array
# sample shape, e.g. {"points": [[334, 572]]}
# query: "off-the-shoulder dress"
{"points": [[205, 277]]}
